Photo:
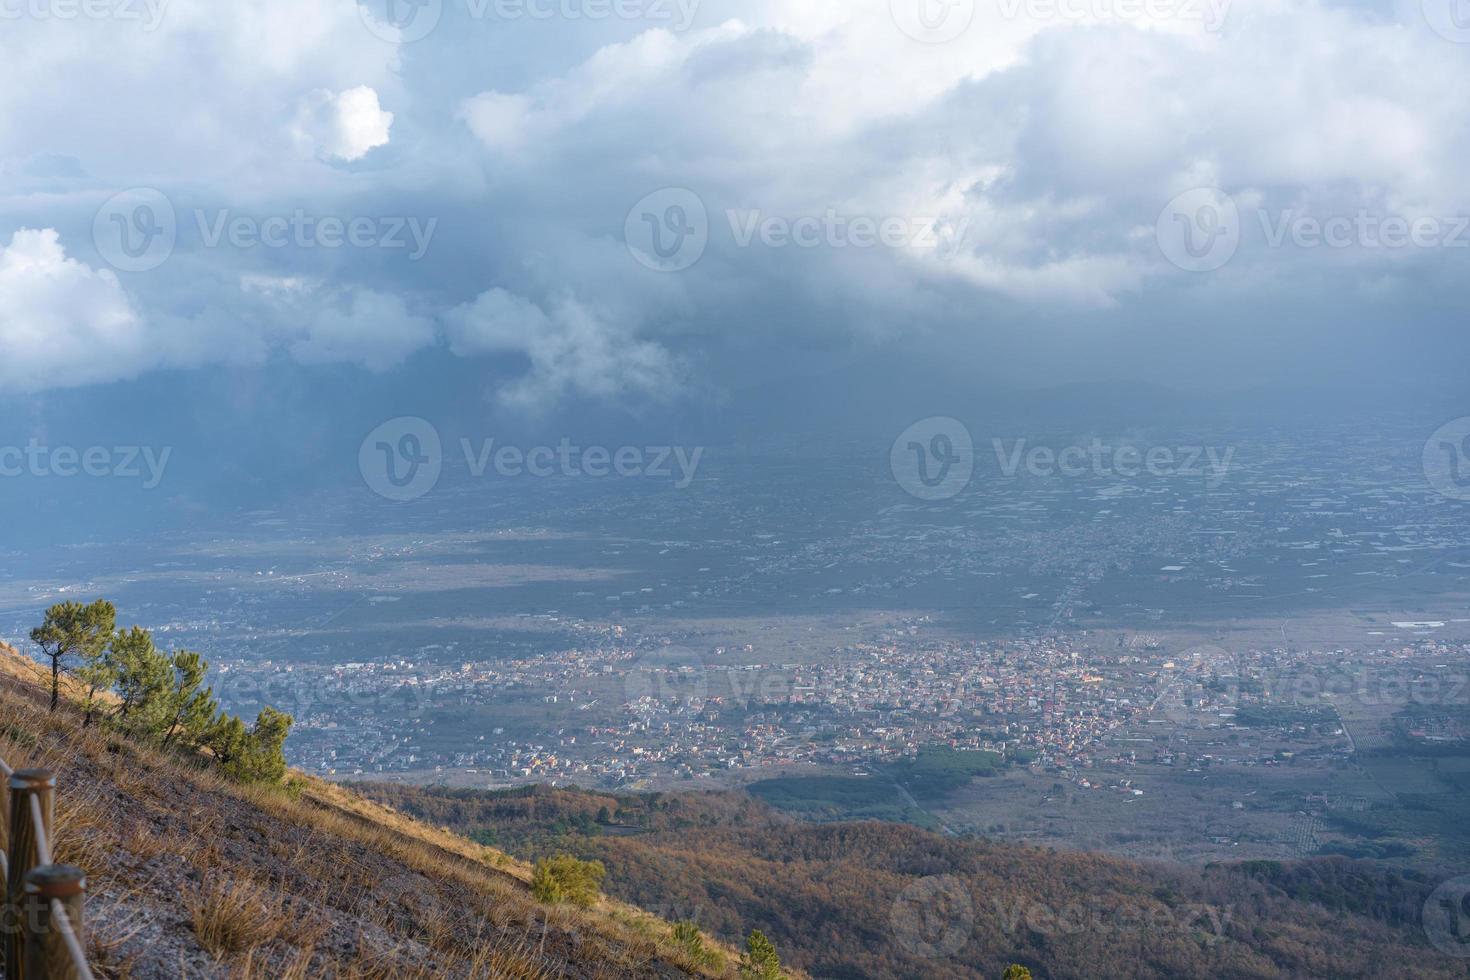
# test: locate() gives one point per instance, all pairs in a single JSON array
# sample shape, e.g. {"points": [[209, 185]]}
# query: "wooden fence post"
{"points": [[47, 955], [24, 784]]}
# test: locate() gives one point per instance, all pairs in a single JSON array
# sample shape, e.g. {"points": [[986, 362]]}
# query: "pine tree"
{"points": [[191, 709], [267, 758], [228, 741], [96, 674], [72, 630], [760, 961], [253, 755], [145, 677]]}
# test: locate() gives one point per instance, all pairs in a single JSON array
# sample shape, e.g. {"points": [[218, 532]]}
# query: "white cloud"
{"points": [[62, 323], [572, 348], [497, 322], [205, 98], [342, 125], [323, 324], [1055, 141]]}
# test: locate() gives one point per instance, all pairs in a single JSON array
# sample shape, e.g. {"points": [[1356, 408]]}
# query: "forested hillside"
{"points": [[877, 899]]}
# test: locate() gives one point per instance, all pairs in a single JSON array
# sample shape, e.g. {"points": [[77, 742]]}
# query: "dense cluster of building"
{"points": [[624, 711]]}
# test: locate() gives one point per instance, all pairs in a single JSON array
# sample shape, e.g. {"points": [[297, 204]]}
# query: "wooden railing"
{"points": [[42, 910]]}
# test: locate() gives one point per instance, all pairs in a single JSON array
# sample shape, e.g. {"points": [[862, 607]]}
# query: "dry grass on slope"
{"points": [[193, 876]]}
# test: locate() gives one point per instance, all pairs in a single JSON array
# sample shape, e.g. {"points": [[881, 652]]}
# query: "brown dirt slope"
{"points": [[193, 876]]}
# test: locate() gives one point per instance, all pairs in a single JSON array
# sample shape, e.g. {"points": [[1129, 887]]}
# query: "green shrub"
{"points": [[690, 941], [564, 878]]}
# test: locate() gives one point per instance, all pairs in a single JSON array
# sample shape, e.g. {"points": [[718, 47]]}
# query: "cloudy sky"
{"points": [[654, 203]]}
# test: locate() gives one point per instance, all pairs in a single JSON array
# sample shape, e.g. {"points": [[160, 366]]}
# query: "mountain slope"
{"points": [[193, 876], [879, 900]]}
